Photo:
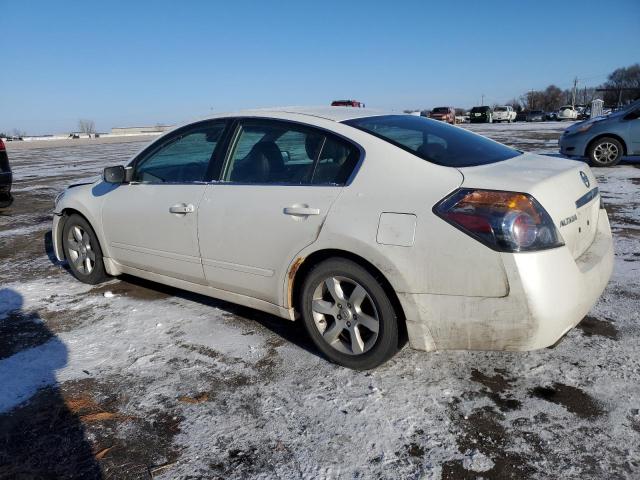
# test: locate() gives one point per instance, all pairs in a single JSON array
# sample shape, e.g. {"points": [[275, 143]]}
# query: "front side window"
{"points": [[435, 142], [182, 158], [268, 152]]}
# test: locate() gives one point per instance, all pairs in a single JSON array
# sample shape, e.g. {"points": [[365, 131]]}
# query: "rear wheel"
{"points": [[82, 250], [605, 152], [348, 315]]}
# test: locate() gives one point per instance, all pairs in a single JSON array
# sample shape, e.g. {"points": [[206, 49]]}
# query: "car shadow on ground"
{"points": [[41, 437], [292, 332], [136, 287]]}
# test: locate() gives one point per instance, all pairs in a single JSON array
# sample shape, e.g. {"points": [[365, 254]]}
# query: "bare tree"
{"points": [[623, 85], [86, 126], [19, 133]]}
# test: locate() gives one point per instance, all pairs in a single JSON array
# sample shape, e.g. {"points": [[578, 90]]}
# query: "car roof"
{"points": [[337, 114]]}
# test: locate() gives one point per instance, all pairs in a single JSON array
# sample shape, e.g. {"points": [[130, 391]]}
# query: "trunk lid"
{"points": [[566, 189]]}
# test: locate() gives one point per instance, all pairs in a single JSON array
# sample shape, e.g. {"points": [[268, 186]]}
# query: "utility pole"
{"points": [[531, 100], [482, 100], [573, 95]]}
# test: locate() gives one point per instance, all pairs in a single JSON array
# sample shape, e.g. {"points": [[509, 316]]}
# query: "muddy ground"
{"points": [[131, 379]]}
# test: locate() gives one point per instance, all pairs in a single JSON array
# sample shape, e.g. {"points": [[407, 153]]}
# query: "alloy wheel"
{"points": [[605, 152], [80, 252], [345, 315]]}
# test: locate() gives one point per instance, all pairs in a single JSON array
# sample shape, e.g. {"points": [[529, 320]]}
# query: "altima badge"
{"points": [[585, 179], [571, 219]]}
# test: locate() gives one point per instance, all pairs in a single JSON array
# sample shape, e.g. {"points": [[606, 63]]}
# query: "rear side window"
{"points": [[276, 152], [336, 162], [434, 141], [273, 153], [181, 158]]}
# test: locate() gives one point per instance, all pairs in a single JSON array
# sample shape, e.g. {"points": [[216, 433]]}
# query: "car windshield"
{"points": [[440, 110], [500, 109], [479, 109], [536, 112], [434, 141]]}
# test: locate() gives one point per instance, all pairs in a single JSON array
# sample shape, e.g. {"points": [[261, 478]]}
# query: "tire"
{"points": [[605, 152], [336, 298], [82, 250]]}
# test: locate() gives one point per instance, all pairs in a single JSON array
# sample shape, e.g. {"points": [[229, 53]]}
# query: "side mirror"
{"points": [[114, 174]]}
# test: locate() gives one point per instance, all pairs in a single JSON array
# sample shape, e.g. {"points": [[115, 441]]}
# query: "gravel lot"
{"points": [[131, 379]]}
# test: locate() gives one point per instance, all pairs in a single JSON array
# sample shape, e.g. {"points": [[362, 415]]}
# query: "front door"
{"points": [[277, 187], [634, 131], [151, 222]]}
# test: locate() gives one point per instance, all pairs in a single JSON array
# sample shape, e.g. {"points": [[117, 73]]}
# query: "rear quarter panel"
{"points": [[442, 259]]}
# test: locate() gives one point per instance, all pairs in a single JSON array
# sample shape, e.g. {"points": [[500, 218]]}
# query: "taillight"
{"points": [[504, 221], [2, 147]]}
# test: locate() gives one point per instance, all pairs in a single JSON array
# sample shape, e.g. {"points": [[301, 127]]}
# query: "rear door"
{"points": [[277, 186], [151, 222]]}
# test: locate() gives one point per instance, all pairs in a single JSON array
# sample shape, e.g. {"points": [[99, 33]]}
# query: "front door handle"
{"points": [[301, 211], [182, 208]]}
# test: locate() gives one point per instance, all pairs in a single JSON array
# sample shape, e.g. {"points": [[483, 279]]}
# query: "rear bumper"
{"points": [[549, 293], [479, 119]]}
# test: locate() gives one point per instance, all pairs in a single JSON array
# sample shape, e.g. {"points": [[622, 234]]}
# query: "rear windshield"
{"points": [[434, 141], [440, 110], [479, 109], [500, 109]]}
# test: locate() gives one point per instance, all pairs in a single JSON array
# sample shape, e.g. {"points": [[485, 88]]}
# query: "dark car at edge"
{"points": [[6, 177]]}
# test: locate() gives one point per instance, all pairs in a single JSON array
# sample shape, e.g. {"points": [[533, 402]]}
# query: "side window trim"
{"points": [[173, 137]]}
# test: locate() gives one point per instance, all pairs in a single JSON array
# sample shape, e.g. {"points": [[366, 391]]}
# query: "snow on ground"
{"points": [[131, 379]]}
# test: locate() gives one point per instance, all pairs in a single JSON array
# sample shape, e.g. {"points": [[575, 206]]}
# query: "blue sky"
{"points": [[129, 63]]}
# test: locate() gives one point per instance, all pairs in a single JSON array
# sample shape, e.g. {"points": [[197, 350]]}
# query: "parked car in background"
{"points": [[444, 114], [504, 113], [482, 114], [536, 116], [604, 140], [521, 116], [6, 177], [347, 103], [552, 116], [324, 234], [567, 112]]}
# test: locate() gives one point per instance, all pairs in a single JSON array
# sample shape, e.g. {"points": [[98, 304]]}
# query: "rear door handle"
{"points": [[182, 208], [301, 211]]}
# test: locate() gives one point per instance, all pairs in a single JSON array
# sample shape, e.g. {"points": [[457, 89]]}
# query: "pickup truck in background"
{"points": [[504, 113]]}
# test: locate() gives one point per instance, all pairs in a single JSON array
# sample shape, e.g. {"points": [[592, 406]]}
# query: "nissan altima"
{"points": [[369, 227]]}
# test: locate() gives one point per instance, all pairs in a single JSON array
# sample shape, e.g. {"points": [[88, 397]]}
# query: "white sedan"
{"points": [[567, 112], [367, 226]]}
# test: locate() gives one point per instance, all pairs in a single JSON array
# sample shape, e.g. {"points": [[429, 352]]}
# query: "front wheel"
{"points": [[82, 250], [605, 152], [348, 315]]}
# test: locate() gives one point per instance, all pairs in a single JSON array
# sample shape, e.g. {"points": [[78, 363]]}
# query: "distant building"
{"points": [[140, 130]]}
